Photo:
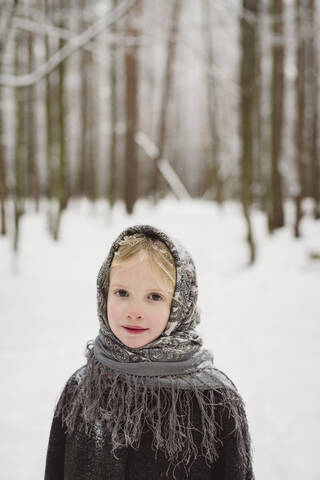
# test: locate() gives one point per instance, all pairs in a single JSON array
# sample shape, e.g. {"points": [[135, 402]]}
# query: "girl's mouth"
{"points": [[134, 329]]}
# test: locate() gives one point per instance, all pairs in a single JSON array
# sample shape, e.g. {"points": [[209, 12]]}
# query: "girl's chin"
{"points": [[134, 342]]}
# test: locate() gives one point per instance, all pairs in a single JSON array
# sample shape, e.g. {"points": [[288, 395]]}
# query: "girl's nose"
{"points": [[134, 314]]}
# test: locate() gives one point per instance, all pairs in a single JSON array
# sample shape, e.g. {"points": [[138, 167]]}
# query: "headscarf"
{"points": [[156, 384]]}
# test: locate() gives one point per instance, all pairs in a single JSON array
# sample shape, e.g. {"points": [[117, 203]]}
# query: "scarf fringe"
{"points": [[126, 403]]}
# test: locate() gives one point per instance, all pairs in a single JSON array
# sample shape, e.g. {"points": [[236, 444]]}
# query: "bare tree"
{"points": [[20, 170], [131, 110], [300, 113], [111, 194], [258, 169], [215, 179], [33, 180], [314, 107], [248, 27], [6, 14], [49, 115], [166, 90], [61, 178], [86, 172], [275, 211]]}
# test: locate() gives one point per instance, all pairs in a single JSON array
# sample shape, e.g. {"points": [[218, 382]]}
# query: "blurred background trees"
{"points": [[130, 99]]}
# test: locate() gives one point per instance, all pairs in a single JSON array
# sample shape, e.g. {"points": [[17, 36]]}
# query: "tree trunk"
{"points": [[300, 115], [247, 82], [166, 90], [131, 111], [33, 180], [19, 158], [6, 13], [257, 173], [51, 121], [48, 108], [87, 169], [111, 194], [275, 213], [85, 114], [314, 67], [3, 182], [3, 189], [215, 181], [62, 187]]}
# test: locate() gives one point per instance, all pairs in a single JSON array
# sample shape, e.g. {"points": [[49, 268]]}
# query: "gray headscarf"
{"points": [[127, 388], [178, 349]]}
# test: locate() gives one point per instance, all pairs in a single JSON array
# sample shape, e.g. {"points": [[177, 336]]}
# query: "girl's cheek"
{"points": [[113, 309]]}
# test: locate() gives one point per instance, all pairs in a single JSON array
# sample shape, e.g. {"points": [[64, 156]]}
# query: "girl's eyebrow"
{"points": [[120, 285], [155, 290]]}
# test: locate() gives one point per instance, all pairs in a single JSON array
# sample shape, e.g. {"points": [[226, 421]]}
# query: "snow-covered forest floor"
{"points": [[261, 322]]}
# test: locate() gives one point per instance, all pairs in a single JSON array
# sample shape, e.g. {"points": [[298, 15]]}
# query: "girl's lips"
{"points": [[134, 329]]}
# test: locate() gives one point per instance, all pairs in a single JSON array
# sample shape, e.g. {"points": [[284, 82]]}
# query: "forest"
{"points": [[131, 99]]}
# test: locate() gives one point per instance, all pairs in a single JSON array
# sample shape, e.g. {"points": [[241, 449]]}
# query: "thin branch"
{"points": [[72, 46], [5, 25], [57, 32]]}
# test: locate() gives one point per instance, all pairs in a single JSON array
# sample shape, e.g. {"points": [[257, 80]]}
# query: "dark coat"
{"points": [[81, 456]]}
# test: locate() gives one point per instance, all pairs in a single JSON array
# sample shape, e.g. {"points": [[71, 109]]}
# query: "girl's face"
{"points": [[139, 302]]}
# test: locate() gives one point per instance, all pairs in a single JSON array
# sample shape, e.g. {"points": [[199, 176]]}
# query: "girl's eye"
{"points": [[121, 293], [155, 296]]}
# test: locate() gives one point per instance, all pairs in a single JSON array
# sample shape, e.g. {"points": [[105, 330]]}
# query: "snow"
{"points": [[261, 322]]}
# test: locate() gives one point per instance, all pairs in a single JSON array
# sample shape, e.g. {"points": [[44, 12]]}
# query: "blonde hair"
{"points": [[156, 250]]}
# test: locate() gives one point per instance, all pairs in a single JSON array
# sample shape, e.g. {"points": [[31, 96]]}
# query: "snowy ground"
{"points": [[262, 323]]}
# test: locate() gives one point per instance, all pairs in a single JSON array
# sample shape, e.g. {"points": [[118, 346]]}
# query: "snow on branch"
{"points": [[57, 32], [168, 173], [72, 46]]}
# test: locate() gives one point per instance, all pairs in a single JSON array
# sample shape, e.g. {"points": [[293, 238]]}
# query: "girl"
{"points": [[149, 403]]}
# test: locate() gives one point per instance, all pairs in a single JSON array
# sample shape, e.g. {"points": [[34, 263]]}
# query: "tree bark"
{"points": [[84, 107], [166, 91], [6, 13], [131, 111], [247, 82], [212, 104], [275, 213], [315, 158], [49, 113], [61, 181], [33, 179], [111, 193], [300, 116], [20, 157]]}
